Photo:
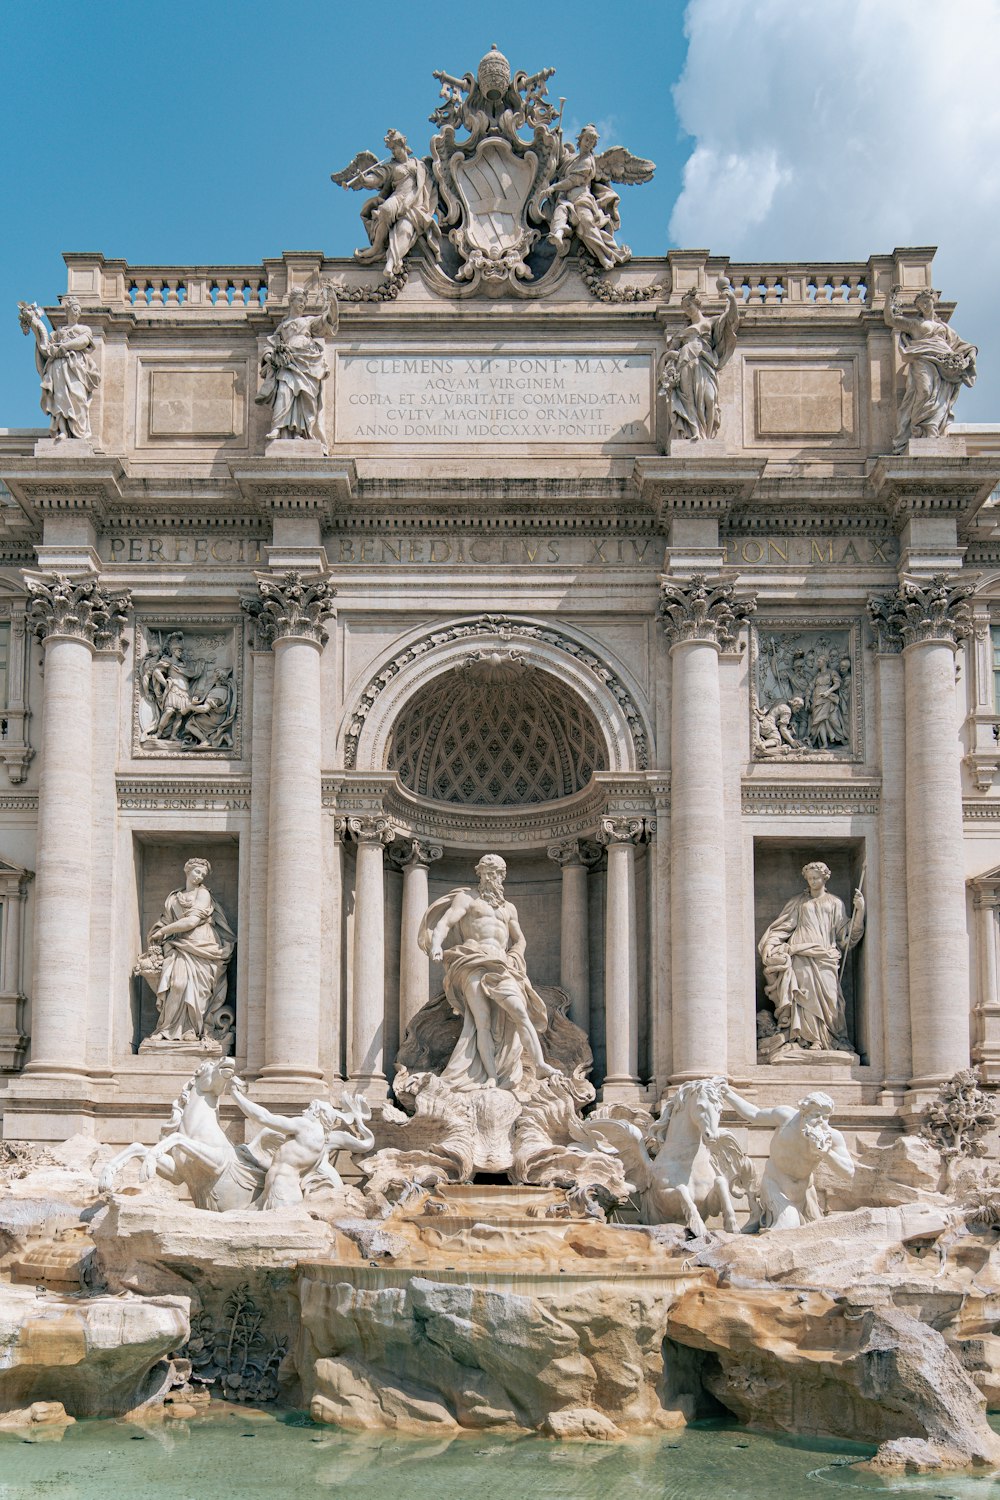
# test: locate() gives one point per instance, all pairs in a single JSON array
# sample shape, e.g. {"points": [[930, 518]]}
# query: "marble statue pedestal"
{"points": [[294, 448], [793, 1056], [71, 448], [196, 1048]]}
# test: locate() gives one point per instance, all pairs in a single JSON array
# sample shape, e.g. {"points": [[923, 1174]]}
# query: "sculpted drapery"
{"points": [[801, 953], [197, 943]]}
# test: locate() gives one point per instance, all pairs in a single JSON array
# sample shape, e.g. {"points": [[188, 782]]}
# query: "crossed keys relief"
{"points": [[494, 210]]}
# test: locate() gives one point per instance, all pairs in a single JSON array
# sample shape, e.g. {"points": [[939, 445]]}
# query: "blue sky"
{"points": [[206, 133]]}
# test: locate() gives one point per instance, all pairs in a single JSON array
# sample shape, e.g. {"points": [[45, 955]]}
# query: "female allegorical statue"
{"points": [[294, 367], [197, 943], [801, 953], [65, 363], [403, 209], [689, 369], [936, 364]]}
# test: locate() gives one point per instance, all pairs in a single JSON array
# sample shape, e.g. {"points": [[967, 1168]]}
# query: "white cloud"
{"points": [[830, 129]]}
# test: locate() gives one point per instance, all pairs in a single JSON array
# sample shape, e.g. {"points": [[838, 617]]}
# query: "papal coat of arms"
{"points": [[494, 208]]}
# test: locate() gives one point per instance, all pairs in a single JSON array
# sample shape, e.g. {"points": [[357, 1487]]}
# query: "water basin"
{"points": [[232, 1452]]}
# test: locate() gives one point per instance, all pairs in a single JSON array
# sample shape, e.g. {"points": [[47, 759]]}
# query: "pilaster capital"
{"points": [[369, 828], [623, 830], [407, 854], [937, 611], [697, 609], [290, 607], [78, 607]]}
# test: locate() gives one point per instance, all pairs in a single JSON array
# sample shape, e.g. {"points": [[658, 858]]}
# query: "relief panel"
{"points": [[188, 683], [806, 696]]}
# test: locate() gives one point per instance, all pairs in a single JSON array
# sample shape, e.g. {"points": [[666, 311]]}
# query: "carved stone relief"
{"points": [[187, 686], [806, 701]]}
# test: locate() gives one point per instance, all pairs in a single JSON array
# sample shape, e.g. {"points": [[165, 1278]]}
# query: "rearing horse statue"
{"points": [[193, 1149], [697, 1170]]}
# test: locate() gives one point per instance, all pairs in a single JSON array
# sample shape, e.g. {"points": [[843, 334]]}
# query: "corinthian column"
{"points": [[700, 620], [621, 958], [574, 936], [928, 621], [413, 857], [289, 612], [74, 617], [366, 1064]]}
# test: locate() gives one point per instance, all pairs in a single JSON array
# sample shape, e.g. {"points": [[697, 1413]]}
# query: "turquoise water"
{"points": [[285, 1457]]}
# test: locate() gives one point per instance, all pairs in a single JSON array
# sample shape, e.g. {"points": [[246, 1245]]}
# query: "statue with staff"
{"points": [[804, 953]]}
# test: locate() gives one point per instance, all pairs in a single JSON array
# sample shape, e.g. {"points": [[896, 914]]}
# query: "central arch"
{"points": [[607, 727]]}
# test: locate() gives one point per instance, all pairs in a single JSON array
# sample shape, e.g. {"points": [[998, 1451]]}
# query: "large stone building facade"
{"points": [[655, 594]]}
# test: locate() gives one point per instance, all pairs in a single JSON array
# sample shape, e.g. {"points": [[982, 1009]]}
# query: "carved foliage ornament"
{"points": [[698, 610], [506, 630], [938, 611], [290, 606], [78, 607]]}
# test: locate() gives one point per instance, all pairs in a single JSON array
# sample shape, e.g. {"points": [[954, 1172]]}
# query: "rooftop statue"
{"points": [[64, 357], [294, 367], [402, 211], [936, 364], [505, 202], [689, 369]]}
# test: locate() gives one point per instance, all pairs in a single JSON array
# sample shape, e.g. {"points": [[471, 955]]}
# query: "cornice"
{"points": [[811, 798], [909, 485]]}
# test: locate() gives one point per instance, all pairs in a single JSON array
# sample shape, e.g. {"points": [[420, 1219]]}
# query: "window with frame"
{"points": [[995, 643], [5, 665]]}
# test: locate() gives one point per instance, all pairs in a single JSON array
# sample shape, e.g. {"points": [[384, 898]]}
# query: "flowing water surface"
{"points": [[239, 1455]]}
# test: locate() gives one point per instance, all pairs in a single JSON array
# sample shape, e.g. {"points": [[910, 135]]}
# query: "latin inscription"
{"points": [[471, 398], [468, 549]]}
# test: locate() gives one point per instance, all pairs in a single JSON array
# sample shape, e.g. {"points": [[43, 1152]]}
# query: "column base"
{"points": [[50, 1105], [623, 1091], [372, 1085]]}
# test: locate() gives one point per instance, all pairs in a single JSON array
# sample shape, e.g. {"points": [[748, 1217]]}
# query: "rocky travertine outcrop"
{"points": [[576, 1356], [99, 1356]]}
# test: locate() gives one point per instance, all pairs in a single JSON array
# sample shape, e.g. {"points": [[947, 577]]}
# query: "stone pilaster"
{"points": [[929, 620], [573, 859], [366, 1064], [413, 857], [74, 617], [289, 612], [700, 618], [620, 835]]}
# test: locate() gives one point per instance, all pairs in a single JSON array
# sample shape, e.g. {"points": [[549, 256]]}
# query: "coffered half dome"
{"points": [[496, 731]]}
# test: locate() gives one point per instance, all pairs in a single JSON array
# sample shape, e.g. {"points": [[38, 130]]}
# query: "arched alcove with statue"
{"points": [[503, 735]]}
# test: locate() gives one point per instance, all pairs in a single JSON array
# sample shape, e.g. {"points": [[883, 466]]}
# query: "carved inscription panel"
{"points": [[604, 399]]}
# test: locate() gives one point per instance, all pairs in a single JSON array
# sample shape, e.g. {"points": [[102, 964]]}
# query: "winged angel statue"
{"points": [[509, 206]]}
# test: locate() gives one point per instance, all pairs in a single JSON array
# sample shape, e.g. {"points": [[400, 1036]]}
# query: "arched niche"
{"points": [[575, 669]]}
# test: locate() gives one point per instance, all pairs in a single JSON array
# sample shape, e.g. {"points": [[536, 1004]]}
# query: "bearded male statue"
{"points": [[486, 983]]}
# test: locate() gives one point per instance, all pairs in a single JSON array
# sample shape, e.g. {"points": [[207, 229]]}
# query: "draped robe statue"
{"points": [[801, 953]]}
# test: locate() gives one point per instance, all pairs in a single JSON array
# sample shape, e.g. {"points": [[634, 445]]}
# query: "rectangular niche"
{"points": [[777, 865], [196, 661], [159, 869], [787, 659]]}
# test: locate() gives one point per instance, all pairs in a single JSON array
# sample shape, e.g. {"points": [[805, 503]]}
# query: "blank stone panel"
{"points": [[806, 401]]}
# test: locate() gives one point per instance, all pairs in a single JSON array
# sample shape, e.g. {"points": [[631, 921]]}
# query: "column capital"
{"points": [[369, 828], [914, 613], [290, 606], [407, 853], [78, 607], [702, 609], [623, 830], [574, 852]]}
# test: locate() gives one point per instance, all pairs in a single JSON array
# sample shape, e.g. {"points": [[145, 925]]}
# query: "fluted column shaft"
{"points": [[289, 612], [574, 931], [700, 619], [367, 1062], [929, 620], [621, 959], [73, 616], [414, 967]]}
